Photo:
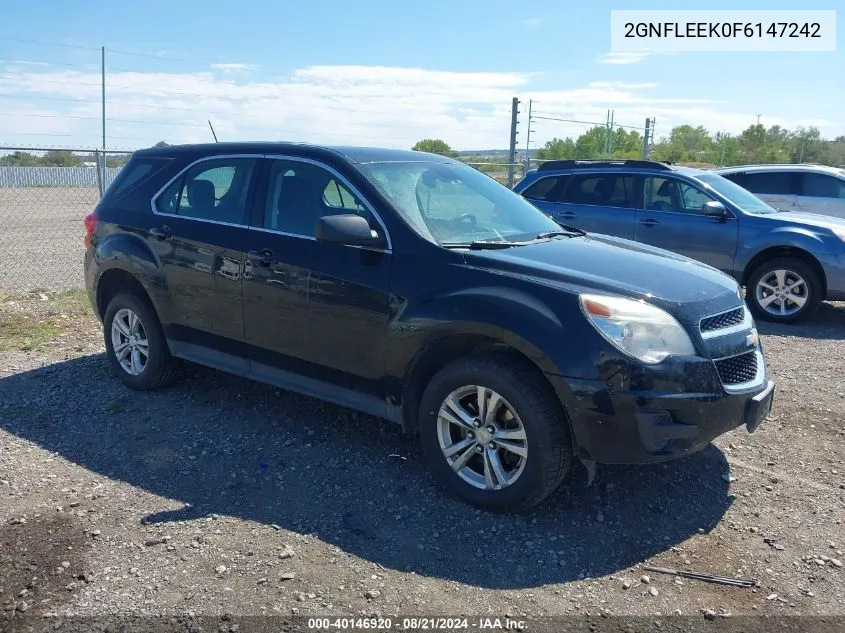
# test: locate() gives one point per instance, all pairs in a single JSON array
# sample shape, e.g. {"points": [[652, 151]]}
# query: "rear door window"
{"points": [[604, 190], [214, 190]]}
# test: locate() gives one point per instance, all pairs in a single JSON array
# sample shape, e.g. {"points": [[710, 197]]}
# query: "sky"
{"points": [[378, 72]]}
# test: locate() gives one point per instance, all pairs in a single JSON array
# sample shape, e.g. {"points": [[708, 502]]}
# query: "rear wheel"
{"points": [[493, 432], [783, 290], [135, 343]]}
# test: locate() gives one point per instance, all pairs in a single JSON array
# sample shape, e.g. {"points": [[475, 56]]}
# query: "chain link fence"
{"points": [[45, 194]]}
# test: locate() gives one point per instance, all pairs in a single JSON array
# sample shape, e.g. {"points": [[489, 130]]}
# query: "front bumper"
{"points": [[618, 426], [834, 272]]}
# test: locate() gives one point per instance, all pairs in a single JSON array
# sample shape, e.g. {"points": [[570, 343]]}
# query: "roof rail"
{"points": [[573, 164]]}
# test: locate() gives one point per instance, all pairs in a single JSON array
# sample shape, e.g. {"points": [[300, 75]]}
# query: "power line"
{"points": [[43, 43], [551, 118]]}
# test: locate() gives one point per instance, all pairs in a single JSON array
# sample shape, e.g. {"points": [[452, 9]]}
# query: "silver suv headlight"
{"points": [[637, 328]]}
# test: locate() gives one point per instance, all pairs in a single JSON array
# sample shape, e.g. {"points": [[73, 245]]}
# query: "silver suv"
{"points": [[808, 188]]}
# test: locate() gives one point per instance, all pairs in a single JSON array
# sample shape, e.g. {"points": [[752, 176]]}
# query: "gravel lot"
{"points": [[41, 231], [220, 496]]}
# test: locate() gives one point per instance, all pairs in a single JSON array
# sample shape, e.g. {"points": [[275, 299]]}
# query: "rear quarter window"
{"points": [[137, 171]]}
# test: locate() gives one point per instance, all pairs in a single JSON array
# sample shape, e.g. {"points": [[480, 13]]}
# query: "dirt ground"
{"points": [[220, 497]]}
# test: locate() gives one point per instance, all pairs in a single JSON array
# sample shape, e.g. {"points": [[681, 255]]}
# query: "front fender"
{"points": [[520, 320], [793, 237]]}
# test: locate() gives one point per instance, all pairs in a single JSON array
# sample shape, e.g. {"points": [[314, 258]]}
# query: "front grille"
{"points": [[737, 369], [723, 320]]}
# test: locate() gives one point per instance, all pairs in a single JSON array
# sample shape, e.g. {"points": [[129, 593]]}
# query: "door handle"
{"points": [[569, 215], [161, 232], [263, 257], [649, 222]]}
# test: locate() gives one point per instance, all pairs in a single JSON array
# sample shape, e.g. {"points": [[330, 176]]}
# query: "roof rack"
{"points": [[573, 164]]}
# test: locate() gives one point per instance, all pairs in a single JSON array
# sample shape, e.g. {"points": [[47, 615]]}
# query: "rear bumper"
{"points": [[641, 427], [90, 271]]}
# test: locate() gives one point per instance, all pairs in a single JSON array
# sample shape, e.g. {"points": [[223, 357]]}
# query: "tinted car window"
{"points": [[211, 190], [299, 194], [668, 194], [606, 190], [822, 186], [547, 189], [769, 182], [134, 172]]}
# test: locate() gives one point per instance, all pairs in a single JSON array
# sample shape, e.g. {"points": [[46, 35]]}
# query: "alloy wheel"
{"points": [[482, 438], [782, 292], [129, 341]]}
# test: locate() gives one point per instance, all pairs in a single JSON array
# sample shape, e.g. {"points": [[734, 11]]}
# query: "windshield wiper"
{"points": [[481, 245], [567, 231]]}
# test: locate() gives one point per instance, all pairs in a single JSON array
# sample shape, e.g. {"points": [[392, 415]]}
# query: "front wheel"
{"points": [[493, 432], [783, 290]]}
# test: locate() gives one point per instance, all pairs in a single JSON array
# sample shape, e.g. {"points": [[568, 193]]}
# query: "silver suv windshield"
{"points": [[741, 197], [451, 203]]}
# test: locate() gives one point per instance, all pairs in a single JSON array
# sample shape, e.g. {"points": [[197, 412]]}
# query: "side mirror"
{"points": [[347, 228], [715, 209]]}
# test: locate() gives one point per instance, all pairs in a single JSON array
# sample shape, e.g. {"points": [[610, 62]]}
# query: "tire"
{"points": [[527, 402], [158, 369], [776, 274]]}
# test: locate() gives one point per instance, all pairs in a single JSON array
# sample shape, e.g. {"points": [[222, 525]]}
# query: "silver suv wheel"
{"points": [[482, 438]]}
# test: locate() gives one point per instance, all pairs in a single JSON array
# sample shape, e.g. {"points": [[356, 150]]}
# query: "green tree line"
{"points": [[688, 144], [62, 158]]}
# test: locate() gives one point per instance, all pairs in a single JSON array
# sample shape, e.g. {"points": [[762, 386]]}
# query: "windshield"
{"points": [[742, 198], [454, 204]]}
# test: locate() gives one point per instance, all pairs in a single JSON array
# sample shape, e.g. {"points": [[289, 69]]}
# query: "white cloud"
{"points": [[234, 68], [532, 22], [625, 58], [621, 85], [371, 105]]}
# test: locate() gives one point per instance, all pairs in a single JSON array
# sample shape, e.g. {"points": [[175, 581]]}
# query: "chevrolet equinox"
{"points": [[414, 288]]}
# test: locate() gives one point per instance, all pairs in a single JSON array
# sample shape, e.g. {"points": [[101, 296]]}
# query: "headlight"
{"points": [[840, 233], [637, 328]]}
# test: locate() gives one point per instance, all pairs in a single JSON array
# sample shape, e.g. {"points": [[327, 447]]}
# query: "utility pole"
{"points": [[512, 151], [103, 86], [103, 82], [646, 141], [528, 137]]}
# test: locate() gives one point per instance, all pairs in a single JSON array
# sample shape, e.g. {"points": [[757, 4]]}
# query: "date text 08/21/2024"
{"points": [[415, 624]]}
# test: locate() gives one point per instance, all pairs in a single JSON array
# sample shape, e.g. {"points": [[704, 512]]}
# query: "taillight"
{"points": [[90, 225]]}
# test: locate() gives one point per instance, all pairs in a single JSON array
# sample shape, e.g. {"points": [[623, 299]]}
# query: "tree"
{"points": [[557, 149], [60, 158], [19, 159], [434, 146], [162, 144]]}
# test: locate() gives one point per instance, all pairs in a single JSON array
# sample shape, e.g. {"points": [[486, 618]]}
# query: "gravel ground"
{"points": [[220, 496], [41, 232]]}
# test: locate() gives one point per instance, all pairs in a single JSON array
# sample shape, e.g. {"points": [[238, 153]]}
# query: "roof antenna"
{"points": [[212, 131]]}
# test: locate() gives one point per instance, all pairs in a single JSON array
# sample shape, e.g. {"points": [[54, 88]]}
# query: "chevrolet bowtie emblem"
{"points": [[752, 338]]}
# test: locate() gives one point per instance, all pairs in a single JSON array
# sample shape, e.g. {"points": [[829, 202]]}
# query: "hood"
{"points": [[797, 218], [687, 289]]}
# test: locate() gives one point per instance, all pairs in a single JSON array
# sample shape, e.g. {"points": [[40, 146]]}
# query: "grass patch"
{"points": [[30, 321], [24, 335]]}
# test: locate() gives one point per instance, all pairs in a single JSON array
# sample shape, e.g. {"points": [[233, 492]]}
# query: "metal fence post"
{"points": [[100, 159]]}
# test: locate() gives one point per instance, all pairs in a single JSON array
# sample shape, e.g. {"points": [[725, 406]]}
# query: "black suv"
{"points": [[414, 288]]}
